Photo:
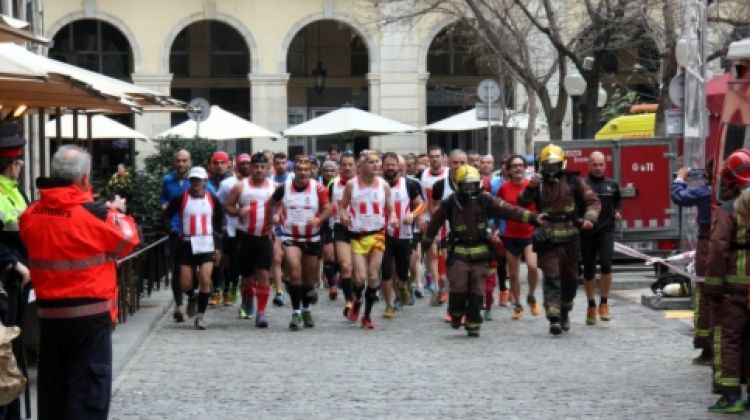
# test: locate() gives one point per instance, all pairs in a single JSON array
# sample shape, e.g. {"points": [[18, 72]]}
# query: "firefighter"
{"points": [[570, 206], [727, 279], [467, 212]]}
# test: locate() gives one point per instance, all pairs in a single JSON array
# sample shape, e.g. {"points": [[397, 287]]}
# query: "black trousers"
{"points": [[75, 368]]}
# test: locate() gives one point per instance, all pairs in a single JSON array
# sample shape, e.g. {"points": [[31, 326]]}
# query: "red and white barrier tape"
{"points": [[669, 262]]}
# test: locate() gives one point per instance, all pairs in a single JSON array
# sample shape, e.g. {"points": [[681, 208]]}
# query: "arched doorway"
{"points": [[327, 61], [455, 69], [100, 47], [209, 59]]}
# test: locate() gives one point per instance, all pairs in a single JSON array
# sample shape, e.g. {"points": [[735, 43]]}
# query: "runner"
{"points": [[200, 220], [405, 197], [305, 206], [342, 247], [330, 269], [280, 176], [219, 170], [229, 240], [430, 176], [518, 238], [363, 209], [247, 200]]}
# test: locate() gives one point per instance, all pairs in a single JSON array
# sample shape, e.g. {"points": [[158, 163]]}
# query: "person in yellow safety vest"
{"points": [[468, 210], [14, 272]]}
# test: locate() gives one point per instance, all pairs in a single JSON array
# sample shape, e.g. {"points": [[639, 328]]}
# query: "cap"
{"points": [[197, 172], [244, 157], [219, 157], [11, 142]]}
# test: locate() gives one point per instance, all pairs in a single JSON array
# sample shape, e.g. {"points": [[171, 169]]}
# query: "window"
{"points": [[209, 48], [229, 55], [94, 45], [449, 55], [297, 56], [360, 59]]}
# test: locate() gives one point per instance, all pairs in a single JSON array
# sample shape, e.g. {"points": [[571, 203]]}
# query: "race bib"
{"points": [[300, 216], [202, 244]]}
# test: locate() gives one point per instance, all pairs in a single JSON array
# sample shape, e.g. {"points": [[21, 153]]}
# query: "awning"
{"points": [[102, 128], [220, 125], [348, 120]]}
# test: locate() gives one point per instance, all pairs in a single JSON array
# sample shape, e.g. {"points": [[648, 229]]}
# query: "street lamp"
{"points": [[320, 75], [575, 85]]}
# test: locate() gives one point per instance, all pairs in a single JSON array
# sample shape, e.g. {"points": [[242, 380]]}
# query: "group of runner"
{"points": [[360, 216]]}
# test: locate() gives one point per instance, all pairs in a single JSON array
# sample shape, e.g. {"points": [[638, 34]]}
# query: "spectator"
{"points": [[71, 241]]}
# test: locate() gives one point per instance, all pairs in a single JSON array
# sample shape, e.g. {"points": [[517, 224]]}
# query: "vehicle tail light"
{"points": [[667, 244]]}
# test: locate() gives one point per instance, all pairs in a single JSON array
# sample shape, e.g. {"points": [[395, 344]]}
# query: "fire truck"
{"points": [[643, 168]]}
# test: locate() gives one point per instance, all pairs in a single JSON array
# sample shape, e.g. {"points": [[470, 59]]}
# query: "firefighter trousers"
{"points": [[466, 284], [559, 264], [730, 339], [701, 318]]}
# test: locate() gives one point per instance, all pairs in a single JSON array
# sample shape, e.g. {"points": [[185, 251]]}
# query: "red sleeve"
{"points": [[322, 195]]}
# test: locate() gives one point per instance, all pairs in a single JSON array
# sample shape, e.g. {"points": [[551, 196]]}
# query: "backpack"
{"points": [[12, 381]]}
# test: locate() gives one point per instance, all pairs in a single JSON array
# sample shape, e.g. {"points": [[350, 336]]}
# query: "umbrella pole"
{"points": [[75, 126], [89, 134], [58, 126], [37, 153]]}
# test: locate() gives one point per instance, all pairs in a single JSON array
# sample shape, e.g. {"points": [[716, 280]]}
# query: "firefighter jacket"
{"points": [[73, 243], [726, 266], [469, 236], [565, 201]]}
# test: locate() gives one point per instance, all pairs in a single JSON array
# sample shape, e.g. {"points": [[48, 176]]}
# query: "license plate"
{"points": [[640, 245]]}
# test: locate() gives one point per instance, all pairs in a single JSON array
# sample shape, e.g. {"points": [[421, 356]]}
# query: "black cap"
{"points": [[11, 142]]}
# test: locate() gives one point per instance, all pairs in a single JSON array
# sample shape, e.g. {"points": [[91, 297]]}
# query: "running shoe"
{"points": [[192, 306], [488, 315], [199, 323], [591, 316], [215, 299], [517, 313], [246, 313], [228, 299], [389, 312], [333, 293], [278, 300], [418, 293], [604, 312], [260, 321], [296, 322], [728, 404], [533, 306], [404, 294], [347, 308], [503, 298], [307, 319], [367, 323], [353, 314], [178, 316]]}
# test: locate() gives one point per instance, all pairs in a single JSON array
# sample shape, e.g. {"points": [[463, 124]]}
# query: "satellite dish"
{"points": [[198, 109]]}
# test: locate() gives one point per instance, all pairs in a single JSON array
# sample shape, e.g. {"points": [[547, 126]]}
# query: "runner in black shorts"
{"points": [[600, 240], [342, 246], [328, 172]]}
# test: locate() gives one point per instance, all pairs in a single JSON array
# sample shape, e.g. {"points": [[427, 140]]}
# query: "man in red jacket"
{"points": [[72, 243]]}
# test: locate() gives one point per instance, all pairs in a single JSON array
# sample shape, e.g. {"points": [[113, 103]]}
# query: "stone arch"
{"points": [[367, 36], [135, 48], [235, 23], [433, 31]]}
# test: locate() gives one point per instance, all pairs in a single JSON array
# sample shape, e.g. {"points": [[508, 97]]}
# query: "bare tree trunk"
{"points": [[669, 65], [533, 111]]}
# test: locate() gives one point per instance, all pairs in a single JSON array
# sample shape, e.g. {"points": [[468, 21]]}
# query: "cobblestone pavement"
{"points": [[415, 366]]}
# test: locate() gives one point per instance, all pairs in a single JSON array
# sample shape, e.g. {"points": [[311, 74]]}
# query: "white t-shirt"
{"points": [[225, 187]]}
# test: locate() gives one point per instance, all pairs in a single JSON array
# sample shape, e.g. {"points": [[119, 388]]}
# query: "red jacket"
{"points": [[73, 243]]}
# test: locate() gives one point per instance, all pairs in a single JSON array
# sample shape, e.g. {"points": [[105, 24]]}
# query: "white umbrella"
{"points": [[101, 128], [348, 120], [220, 125], [467, 121]]}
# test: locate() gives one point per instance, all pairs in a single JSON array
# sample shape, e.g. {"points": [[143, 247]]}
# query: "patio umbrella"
{"points": [[101, 128], [15, 30], [220, 125], [348, 120], [467, 121]]}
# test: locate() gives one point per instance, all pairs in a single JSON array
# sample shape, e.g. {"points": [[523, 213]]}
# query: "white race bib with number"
{"points": [[202, 244]]}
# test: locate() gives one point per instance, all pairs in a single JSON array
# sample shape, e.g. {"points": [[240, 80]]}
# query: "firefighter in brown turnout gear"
{"points": [[569, 205], [467, 211], [727, 280]]}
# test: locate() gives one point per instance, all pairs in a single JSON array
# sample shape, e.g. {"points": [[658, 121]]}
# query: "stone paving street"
{"points": [[415, 366]]}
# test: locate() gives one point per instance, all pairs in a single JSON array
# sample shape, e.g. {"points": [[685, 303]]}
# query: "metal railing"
{"points": [[139, 273]]}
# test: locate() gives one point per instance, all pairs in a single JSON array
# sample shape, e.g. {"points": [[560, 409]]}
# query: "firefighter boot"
{"points": [[553, 315], [457, 308], [473, 315]]}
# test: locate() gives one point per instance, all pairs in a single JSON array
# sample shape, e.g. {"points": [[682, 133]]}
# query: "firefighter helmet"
{"points": [[552, 154], [736, 170], [467, 180]]}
